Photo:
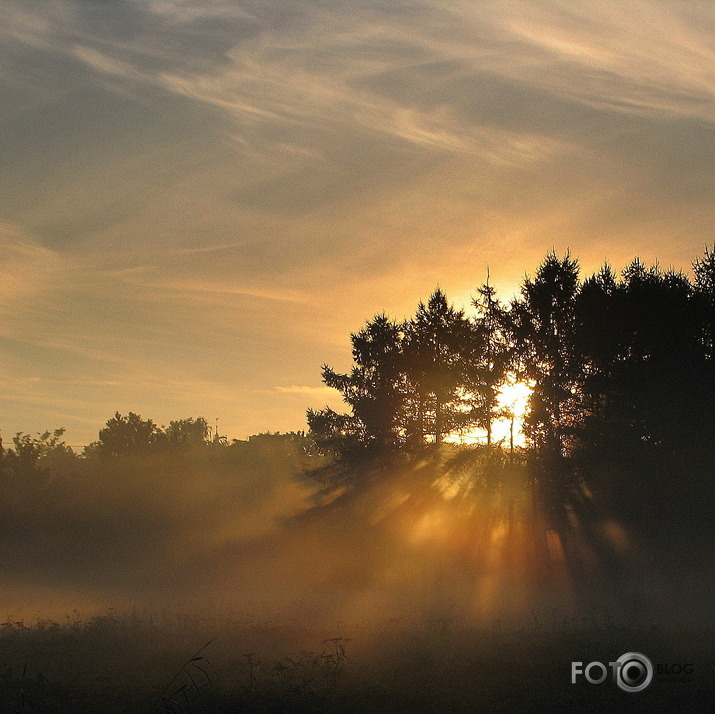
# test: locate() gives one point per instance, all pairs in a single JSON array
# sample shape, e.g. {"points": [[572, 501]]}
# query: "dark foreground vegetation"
{"points": [[170, 663]]}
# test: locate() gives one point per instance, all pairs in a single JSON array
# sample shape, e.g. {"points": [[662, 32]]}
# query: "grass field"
{"points": [[165, 662]]}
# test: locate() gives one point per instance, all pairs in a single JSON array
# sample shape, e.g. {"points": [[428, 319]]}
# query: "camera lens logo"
{"points": [[634, 672]]}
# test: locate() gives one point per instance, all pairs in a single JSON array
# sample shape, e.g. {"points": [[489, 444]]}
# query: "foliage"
{"points": [[131, 435], [542, 325], [437, 341], [373, 389], [416, 382], [30, 450], [44, 454], [622, 370], [489, 361], [188, 433], [126, 435]]}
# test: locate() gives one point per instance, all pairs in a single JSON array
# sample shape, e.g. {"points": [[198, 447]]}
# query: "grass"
{"points": [[140, 664]]}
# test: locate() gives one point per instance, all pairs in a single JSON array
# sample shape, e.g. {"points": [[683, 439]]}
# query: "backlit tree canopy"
{"points": [[609, 358]]}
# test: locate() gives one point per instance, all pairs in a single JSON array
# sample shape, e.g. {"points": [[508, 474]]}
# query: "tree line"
{"points": [[131, 442], [420, 380], [617, 353], [621, 368]]}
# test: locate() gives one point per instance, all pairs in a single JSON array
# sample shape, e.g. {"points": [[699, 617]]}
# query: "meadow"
{"points": [[168, 662], [246, 577]]}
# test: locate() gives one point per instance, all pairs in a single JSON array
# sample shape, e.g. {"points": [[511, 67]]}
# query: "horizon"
{"points": [[327, 396]]}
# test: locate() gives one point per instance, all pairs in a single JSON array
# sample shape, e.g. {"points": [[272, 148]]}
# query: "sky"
{"points": [[200, 200]]}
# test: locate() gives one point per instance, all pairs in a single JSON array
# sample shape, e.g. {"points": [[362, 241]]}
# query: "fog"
{"points": [[262, 530]]}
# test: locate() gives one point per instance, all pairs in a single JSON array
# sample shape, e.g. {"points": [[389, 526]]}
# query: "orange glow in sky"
{"points": [[194, 231]]}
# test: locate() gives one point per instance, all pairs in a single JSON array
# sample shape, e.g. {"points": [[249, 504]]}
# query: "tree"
{"points": [[542, 324], [644, 445], [704, 269], [645, 348], [409, 383], [127, 435], [41, 453], [188, 432], [489, 359], [334, 433], [437, 346], [704, 300], [374, 390]]}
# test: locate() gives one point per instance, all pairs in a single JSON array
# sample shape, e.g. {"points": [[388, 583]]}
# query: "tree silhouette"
{"points": [[644, 445], [488, 359], [622, 369], [188, 432], [126, 435], [646, 358], [438, 342], [704, 301], [408, 384], [30, 450], [542, 325], [45, 453], [374, 390], [704, 269]]}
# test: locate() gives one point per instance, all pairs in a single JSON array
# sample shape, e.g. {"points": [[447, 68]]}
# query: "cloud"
{"points": [[143, 276], [26, 268], [312, 391], [640, 57], [101, 62]]}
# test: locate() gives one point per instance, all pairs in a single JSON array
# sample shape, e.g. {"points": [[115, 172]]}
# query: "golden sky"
{"points": [[201, 199]]}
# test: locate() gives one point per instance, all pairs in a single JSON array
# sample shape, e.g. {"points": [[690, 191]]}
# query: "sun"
{"points": [[513, 400], [514, 396]]}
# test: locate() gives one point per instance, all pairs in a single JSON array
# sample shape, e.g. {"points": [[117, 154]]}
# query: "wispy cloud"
{"points": [[26, 269], [146, 278], [102, 62], [312, 391]]}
